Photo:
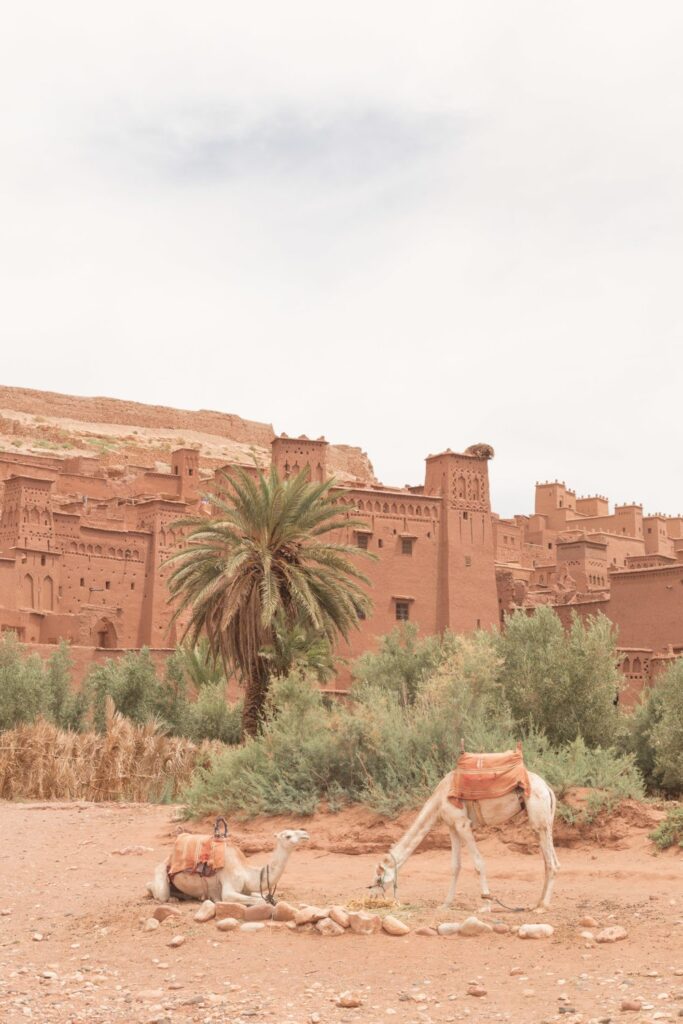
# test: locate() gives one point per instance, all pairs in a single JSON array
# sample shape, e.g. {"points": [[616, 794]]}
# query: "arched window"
{"points": [[73, 546], [119, 552], [98, 549], [637, 667], [27, 591], [461, 487], [385, 507], [378, 507], [394, 509], [89, 549], [626, 666], [410, 510], [48, 594], [402, 510], [361, 505], [111, 552], [136, 553], [476, 489]]}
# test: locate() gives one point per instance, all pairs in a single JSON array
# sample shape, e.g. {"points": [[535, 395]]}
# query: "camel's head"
{"points": [[291, 837], [385, 873]]}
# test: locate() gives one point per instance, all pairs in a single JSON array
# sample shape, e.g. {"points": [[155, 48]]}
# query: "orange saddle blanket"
{"points": [[488, 776], [199, 854]]}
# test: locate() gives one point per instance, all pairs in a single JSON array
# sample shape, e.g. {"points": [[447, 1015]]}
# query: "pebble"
{"points": [[284, 912], [177, 940], [631, 1004], [166, 911], [364, 924], [37, 937], [473, 926], [588, 922], [310, 915], [348, 1000], [259, 912], [149, 995], [535, 931], [500, 928], [340, 916], [614, 934], [447, 928], [206, 912], [476, 990], [252, 926], [514, 971], [392, 926], [227, 924], [426, 930], [328, 927]]}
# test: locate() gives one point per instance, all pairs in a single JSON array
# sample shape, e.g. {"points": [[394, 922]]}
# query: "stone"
{"points": [[206, 912], [328, 927], [447, 928], [588, 936], [230, 910], [614, 934], [476, 990], [500, 928], [259, 912], [165, 911], [349, 1000], [392, 926], [252, 926], [149, 995], [309, 915], [340, 916], [37, 936], [227, 924], [362, 923], [535, 931], [473, 926], [177, 940], [314, 1018], [515, 971], [284, 912], [426, 930], [151, 924], [587, 922], [631, 1004]]}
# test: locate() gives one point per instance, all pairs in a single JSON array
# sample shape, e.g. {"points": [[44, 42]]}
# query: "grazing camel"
{"points": [[540, 809], [237, 881]]}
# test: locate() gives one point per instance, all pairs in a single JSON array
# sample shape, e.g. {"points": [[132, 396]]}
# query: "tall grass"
{"points": [[124, 762]]}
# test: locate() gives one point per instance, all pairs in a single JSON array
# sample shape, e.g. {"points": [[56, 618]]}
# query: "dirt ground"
{"points": [[63, 880]]}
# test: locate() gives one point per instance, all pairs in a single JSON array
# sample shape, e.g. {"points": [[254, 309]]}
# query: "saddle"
{"points": [[489, 776], [199, 854]]}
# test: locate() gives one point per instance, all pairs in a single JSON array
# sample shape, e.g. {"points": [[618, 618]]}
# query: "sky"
{"points": [[405, 226]]}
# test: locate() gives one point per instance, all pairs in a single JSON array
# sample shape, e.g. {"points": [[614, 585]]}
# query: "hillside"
{"points": [[124, 433]]}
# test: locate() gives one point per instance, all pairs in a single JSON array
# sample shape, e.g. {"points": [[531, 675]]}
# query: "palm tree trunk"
{"points": [[256, 691]]}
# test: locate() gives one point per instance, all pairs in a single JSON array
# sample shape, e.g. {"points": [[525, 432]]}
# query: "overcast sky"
{"points": [[406, 226]]}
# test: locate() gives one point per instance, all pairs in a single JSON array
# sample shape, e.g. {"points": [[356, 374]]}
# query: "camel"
{"points": [[237, 881], [540, 809]]}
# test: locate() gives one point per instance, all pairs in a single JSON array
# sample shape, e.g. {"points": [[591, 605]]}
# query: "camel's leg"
{"points": [[229, 895], [464, 830], [159, 888], [541, 812], [455, 866]]}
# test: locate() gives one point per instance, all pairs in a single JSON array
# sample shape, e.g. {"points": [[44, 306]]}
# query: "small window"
{"points": [[465, 515], [132, 586], [175, 470], [468, 561], [190, 472], [478, 623], [362, 540], [402, 611], [380, 543], [406, 545], [42, 559], [82, 582], [550, 545], [107, 584]]}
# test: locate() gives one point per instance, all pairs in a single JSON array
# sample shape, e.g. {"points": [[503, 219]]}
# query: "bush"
{"points": [[211, 717], [384, 754], [403, 662], [23, 687], [564, 684], [655, 732], [131, 683], [670, 831]]}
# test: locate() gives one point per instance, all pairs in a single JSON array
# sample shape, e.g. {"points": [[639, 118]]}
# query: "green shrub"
{"points": [[211, 717], [655, 732], [670, 831], [64, 707], [402, 663], [562, 683], [23, 686]]}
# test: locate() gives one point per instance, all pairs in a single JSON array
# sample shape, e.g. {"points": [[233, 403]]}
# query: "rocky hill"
{"points": [[127, 433]]}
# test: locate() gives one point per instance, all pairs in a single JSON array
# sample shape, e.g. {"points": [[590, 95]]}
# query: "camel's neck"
{"points": [[269, 875], [412, 838]]}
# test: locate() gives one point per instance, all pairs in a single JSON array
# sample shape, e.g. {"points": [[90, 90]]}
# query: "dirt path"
{"points": [[62, 879]]}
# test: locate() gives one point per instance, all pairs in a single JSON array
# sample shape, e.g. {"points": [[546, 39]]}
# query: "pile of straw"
{"points": [[127, 762]]}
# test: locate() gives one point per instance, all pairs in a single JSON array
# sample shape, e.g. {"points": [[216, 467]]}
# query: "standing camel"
{"points": [[236, 881], [540, 810]]}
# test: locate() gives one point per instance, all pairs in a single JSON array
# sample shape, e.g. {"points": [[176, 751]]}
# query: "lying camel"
{"points": [[236, 881], [539, 806]]}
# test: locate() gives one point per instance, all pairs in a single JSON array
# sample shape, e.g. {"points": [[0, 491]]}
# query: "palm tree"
{"points": [[265, 561]]}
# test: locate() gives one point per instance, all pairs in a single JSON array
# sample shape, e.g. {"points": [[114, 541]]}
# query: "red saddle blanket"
{"points": [[488, 776], [199, 854]]}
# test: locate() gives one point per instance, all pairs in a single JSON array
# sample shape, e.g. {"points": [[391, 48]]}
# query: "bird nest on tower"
{"points": [[482, 451]]}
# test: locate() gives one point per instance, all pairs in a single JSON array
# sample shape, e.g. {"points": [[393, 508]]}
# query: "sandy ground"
{"points": [[63, 880]]}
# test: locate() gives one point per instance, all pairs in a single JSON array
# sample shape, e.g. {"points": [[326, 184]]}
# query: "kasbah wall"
{"points": [[82, 547]]}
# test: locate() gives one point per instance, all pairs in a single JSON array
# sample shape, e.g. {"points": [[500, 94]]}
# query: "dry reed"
{"points": [[127, 762]]}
